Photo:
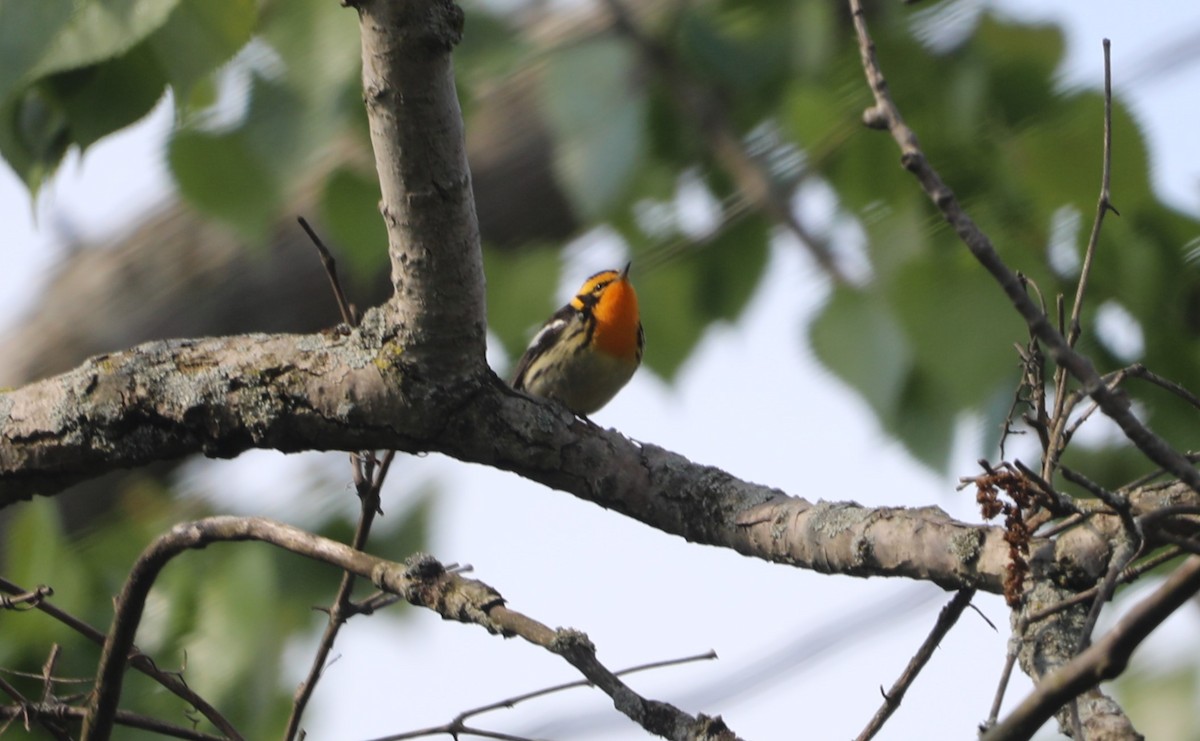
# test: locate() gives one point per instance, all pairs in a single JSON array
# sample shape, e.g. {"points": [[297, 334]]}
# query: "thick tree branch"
{"points": [[350, 392], [219, 396], [412, 378], [420, 155], [1105, 659], [423, 582], [356, 391]]}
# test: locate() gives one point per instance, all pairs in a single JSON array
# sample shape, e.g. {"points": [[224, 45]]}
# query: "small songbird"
{"points": [[589, 348]]}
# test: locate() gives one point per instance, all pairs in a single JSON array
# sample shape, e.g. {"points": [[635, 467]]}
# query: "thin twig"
{"points": [[1152, 520], [48, 674], [1060, 431], [1191, 545], [1118, 503], [1060, 503], [893, 697], [1103, 204], [30, 713], [1137, 370], [1130, 574], [445, 730], [368, 483], [458, 726], [1010, 661], [508, 703], [1150, 476], [26, 600], [47, 713], [1126, 552], [137, 660], [330, 265]]}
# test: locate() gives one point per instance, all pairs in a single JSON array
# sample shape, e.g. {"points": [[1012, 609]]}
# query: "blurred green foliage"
{"points": [[224, 614]]}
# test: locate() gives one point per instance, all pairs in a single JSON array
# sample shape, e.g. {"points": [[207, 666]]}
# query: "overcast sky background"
{"points": [[822, 645]]}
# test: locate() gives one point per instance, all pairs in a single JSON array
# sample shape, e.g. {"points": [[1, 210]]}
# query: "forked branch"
{"points": [[422, 581]]}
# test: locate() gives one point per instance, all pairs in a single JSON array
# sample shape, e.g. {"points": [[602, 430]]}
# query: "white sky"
{"points": [[641, 595]]}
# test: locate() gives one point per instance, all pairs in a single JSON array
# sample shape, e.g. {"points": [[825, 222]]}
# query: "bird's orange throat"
{"points": [[617, 320]]}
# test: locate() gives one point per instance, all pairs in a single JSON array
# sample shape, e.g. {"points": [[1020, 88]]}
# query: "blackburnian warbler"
{"points": [[589, 348]]}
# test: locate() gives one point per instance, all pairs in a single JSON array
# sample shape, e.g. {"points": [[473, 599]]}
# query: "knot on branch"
{"points": [[422, 567], [569, 642], [875, 117], [714, 727]]}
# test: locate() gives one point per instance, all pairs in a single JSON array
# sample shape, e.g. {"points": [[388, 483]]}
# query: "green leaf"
{"points": [[925, 420], [95, 30], [350, 210], [1022, 59], [813, 114], [109, 96], [199, 37], [222, 174], [1159, 692], [27, 30], [37, 552], [744, 47], [520, 293], [668, 293], [406, 531], [235, 648], [959, 324], [716, 282], [730, 266], [295, 113], [858, 338], [490, 50], [33, 137], [319, 45], [597, 116]]}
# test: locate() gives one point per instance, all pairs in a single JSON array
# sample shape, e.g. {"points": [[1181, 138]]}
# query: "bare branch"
{"points": [[511, 701], [351, 392], [428, 206], [138, 661], [368, 482], [50, 714], [884, 114], [1103, 204], [458, 725], [1127, 575], [26, 600], [330, 265], [1140, 371], [1105, 659], [893, 697], [422, 582]]}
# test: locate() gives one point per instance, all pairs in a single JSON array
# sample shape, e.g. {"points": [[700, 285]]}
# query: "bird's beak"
{"points": [[625, 270]]}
